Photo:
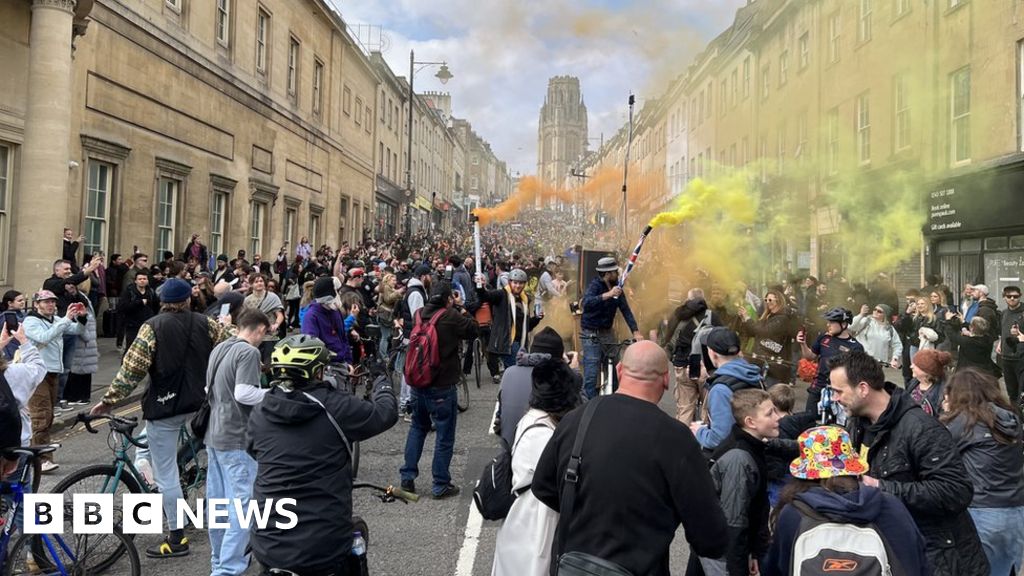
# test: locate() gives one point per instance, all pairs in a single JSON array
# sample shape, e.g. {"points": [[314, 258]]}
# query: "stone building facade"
{"points": [[562, 130]]}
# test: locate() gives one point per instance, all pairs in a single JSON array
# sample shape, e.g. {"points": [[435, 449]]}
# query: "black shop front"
{"points": [[975, 228]]}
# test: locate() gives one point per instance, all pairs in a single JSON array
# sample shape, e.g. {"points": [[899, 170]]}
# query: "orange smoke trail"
{"points": [[526, 194]]}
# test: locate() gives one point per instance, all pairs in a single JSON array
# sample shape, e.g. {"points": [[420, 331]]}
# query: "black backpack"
{"points": [[493, 493], [10, 416]]}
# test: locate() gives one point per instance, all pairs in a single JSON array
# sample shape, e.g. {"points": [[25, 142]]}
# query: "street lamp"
{"points": [[444, 75]]}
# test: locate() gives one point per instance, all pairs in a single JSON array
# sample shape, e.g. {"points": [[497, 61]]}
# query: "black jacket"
{"points": [[915, 459], [740, 475], [988, 310], [56, 285], [300, 455], [975, 351], [689, 315], [452, 329], [994, 468], [177, 374], [133, 312], [501, 321], [773, 337]]}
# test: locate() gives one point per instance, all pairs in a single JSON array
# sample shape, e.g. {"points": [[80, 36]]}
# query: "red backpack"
{"points": [[423, 359]]}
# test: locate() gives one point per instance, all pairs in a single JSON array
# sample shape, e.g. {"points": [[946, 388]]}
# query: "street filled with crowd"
{"points": [[788, 450]]}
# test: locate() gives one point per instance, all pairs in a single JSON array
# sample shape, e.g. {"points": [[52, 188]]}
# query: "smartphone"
{"points": [[225, 309], [11, 322]]}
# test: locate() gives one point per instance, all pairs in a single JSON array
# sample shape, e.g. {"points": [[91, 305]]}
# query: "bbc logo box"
{"points": [[93, 514]]}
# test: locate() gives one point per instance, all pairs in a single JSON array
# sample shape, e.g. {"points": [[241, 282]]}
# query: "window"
{"points": [[318, 86], [97, 206], [744, 151], [474, 182], [5, 207], [864, 21], [313, 234], [167, 214], [369, 119], [700, 109], [224, 22], [174, 5], [956, 3], [218, 221], [901, 100], [291, 215], [346, 102], [258, 219], [960, 108], [723, 98], [343, 220], [783, 67], [293, 66], [766, 80], [801, 138], [262, 40], [805, 50], [710, 94], [392, 112], [359, 111], [746, 77], [380, 158], [863, 128], [735, 84], [762, 154], [901, 7], [833, 141], [1020, 95], [781, 150], [833, 38], [476, 160]]}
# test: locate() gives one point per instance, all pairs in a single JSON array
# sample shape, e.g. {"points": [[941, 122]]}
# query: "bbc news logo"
{"points": [[144, 513]]}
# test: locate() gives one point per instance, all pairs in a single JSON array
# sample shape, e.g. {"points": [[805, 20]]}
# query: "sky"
{"points": [[502, 52]]}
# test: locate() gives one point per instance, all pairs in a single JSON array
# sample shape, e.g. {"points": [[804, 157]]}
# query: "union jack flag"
{"points": [[632, 257]]}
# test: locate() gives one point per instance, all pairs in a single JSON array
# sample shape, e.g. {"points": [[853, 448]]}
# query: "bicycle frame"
{"points": [[17, 491]]}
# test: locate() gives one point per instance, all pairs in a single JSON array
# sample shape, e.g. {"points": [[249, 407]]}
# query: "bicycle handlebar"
{"points": [[124, 426]]}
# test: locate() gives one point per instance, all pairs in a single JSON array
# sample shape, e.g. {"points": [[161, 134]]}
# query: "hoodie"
{"points": [[730, 377], [993, 467], [860, 507], [300, 455]]}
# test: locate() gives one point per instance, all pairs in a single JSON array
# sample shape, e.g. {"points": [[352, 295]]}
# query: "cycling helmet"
{"points": [[517, 275], [841, 315], [298, 357]]}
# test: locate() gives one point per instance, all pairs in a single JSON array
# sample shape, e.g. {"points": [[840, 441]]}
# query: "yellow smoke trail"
{"points": [[729, 198]]}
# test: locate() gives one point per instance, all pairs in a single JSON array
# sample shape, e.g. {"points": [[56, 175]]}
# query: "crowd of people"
{"points": [[923, 476]]}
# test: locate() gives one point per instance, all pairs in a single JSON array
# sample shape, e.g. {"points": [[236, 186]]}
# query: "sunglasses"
{"points": [[1012, 296]]}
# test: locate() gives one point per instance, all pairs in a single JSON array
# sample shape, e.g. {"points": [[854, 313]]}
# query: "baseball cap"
{"points": [[722, 340], [422, 270], [44, 295]]}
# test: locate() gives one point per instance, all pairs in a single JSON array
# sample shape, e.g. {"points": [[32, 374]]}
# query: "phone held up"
{"points": [[11, 322]]}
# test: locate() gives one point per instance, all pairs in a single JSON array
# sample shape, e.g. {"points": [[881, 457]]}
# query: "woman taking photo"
{"points": [[879, 338], [773, 335], [987, 431], [13, 311], [920, 326], [975, 344]]}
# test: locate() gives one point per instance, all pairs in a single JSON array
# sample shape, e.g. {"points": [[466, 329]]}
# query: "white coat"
{"points": [[523, 546]]}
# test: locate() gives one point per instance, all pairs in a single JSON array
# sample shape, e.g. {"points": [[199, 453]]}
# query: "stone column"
{"points": [[42, 195]]}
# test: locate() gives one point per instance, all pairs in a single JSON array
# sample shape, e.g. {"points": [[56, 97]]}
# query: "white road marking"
{"points": [[494, 414], [467, 554]]}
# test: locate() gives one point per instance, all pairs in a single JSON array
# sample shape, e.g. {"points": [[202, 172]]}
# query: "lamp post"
{"points": [[444, 75]]}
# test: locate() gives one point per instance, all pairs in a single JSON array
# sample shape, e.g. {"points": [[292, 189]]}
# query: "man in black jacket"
{"points": [[300, 454], [688, 355], [437, 403], [643, 476], [138, 304], [913, 457]]}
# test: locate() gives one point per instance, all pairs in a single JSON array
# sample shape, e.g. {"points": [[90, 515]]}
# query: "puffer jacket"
{"points": [[87, 355], [996, 470], [915, 459]]}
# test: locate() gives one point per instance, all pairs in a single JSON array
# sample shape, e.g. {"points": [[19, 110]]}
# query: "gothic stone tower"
{"points": [[562, 135]]}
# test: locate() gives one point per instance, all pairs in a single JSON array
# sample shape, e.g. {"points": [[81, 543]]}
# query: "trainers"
{"points": [[407, 418], [168, 549], [64, 405], [48, 466], [496, 378], [448, 491], [409, 486]]}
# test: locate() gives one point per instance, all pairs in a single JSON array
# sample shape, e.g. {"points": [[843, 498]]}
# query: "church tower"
{"points": [[562, 133]]}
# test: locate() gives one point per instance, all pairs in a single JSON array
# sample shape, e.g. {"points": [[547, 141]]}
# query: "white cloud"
{"points": [[502, 53]]}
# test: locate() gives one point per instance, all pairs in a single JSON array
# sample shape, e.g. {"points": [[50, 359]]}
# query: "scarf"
{"points": [[512, 308]]}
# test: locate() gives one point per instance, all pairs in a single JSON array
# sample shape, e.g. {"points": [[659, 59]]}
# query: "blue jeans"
{"points": [[593, 359], [230, 474], [439, 405], [1001, 531], [163, 457], [509, 360], [70, 343], [386, 332]]}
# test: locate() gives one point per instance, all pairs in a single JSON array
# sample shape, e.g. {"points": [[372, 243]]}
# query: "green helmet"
{"points": [[298, 357]]}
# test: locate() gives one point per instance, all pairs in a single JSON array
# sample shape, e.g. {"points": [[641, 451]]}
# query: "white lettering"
{"points": [[183, 512], [253, 509], [293, 519]]}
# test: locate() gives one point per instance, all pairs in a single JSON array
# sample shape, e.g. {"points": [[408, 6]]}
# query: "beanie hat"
{"points": [[323, 289], [555, 388], [547, 341], [175, 290], [886, 309], [932, 362], [826, 452]]}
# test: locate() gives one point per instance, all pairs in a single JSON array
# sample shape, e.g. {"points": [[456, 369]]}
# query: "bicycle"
{"points": [[53, 553], [607, 382]]}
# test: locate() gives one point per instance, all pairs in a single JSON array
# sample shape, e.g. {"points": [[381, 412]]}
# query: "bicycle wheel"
{"points": [[98, 479], [462, 401], [192, 466], [78, 554], [476, 360]]}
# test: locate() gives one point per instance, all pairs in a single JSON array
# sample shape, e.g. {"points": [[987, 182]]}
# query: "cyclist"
{"points": [[299, 436], [833, 342], [600, 302]]}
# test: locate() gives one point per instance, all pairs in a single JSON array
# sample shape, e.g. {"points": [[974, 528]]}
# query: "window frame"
{"points": [[804, 47], [264, 21], [863, 125], [346, 101], [170, 171], [901, 133], [294, 58], [222, 22], [313, 230], [221, 187], [746, 77], [766, 81], [358, 111], [7, 152], [864, 12], [832, 142], [318, 86], [959, 123], [89, 247], [784, 67], [96, 150], [834, 38]]}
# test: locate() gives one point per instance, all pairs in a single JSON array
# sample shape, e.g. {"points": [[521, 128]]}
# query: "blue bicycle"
{"points": [[56, 554]]}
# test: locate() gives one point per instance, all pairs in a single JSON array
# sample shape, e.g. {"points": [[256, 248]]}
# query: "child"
{"points": [[741, 478], [781, 451]]}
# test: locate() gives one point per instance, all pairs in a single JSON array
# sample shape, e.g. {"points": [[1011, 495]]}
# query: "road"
{"points": [[428, 538]]}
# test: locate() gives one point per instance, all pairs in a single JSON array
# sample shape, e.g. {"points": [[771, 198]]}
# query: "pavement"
{"points": [[428, 538], [109, 362]]}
